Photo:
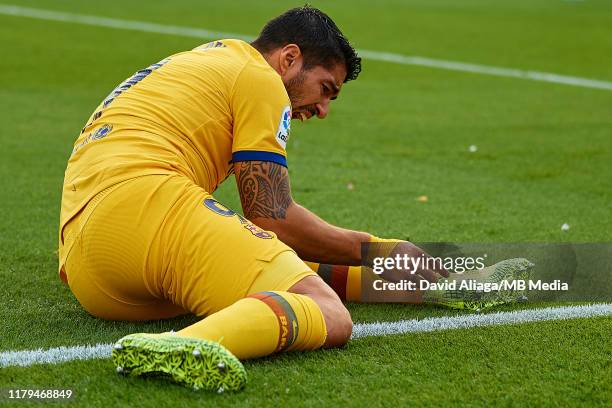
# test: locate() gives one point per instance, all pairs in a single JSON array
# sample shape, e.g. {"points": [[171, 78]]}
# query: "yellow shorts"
{"points": [[159, 246]]}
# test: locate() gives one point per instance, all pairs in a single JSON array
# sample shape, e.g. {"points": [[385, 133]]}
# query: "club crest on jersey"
{"points": [[102, 132], [218, 208], [282, 135], [97, 134]]}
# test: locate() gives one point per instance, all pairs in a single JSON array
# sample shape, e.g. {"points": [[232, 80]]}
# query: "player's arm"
{"points": [[265, 194]]}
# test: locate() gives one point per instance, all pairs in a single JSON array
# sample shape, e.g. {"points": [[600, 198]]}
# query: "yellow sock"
{"points": [[264, 323], [344, 280], [374, 239]]}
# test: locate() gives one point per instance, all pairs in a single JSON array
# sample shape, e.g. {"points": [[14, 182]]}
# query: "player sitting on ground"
{"points": [[141, 237]]}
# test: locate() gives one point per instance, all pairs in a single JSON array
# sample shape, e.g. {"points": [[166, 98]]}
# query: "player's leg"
{"points": [[344, 280], [203, 355], [356, 284], [214, 263], [277, 316], [337, 318], [103, 252]]}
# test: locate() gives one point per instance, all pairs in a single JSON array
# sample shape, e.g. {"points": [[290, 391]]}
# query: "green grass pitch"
{"points": [[399, 132]]}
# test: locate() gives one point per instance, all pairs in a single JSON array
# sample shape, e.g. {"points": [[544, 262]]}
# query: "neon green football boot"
{"points": [[517, 269], [195, 363]]}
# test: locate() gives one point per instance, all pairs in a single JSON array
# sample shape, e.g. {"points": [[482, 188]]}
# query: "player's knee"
{"points": [[338, 320], [339, 325]]}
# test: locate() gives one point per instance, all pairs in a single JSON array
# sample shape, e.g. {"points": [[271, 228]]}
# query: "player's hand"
{"points": [[431, 271], [409, 261]]}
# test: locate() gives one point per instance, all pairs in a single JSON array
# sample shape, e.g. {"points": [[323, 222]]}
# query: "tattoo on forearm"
{"points": [[264, 189]]}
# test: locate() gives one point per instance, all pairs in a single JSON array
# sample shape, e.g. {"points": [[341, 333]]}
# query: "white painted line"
{"points": [[57, 355], [143, 26], [476, 320], [487, 70], [98, 21], [54, 355]]}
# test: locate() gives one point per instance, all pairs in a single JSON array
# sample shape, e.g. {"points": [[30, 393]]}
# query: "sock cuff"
{"points": [[287, 320], [300, 320], [344, 280], [353, 284], [374, 238], [336, 277], [315, 333]]}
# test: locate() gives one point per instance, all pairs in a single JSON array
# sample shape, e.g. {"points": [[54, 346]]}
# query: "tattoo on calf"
{"points": [[264, 189]]}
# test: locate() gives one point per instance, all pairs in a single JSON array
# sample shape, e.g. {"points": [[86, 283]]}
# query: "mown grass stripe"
{"points": [[144, 26], [57, 355]]}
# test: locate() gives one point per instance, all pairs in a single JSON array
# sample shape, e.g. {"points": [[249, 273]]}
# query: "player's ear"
{"points": [[290, 58]]}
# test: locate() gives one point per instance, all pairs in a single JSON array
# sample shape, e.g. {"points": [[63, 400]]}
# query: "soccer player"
{"points": [[142, 238]]}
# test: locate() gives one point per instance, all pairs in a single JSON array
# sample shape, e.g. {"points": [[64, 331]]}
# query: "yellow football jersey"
{"points": [[194, 113]]}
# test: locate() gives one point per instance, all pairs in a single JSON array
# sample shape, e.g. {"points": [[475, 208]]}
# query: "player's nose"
{"points": [[322, 109]]}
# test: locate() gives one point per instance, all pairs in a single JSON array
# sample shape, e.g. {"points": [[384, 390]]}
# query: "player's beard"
{"points": [[294, 88]]}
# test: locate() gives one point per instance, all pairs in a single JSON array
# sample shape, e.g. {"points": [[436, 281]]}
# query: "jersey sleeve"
{"points": [[262, 116]]}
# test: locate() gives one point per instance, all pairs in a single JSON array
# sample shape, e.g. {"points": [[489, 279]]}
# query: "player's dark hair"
{"points": [[320, 40]]}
